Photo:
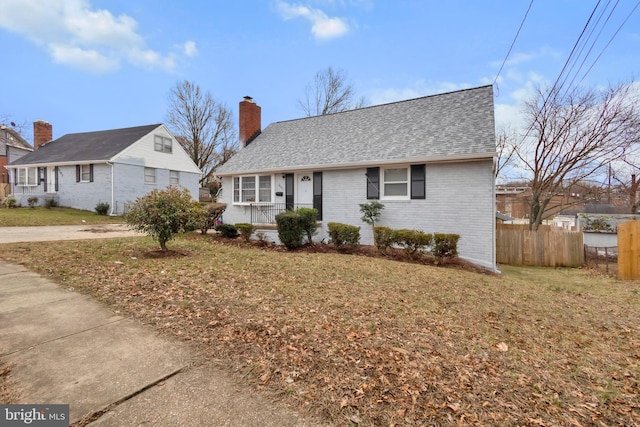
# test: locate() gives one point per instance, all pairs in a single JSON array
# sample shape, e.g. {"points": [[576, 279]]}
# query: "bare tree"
{"points": [[506, 160], [573, 137], [330, 92], [203, 126]]}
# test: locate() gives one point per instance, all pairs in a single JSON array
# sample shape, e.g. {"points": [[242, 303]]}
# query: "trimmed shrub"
{"points": [[383, 238], [102, 208], [10, 202], [308, 218], [32, 201], [213, 212], [445, 245], [290, 229], [50, 203], [414, 242], [344, 236], [227, 230], [246, 230]]}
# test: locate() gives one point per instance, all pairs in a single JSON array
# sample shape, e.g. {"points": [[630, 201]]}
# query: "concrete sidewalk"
{"points": [[65, 347]]}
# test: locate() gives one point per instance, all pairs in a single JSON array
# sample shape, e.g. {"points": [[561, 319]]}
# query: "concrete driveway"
{"points": [[64, 232]]}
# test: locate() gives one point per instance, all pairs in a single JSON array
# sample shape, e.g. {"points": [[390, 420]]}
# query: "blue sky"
{"points": [[87, 65]]}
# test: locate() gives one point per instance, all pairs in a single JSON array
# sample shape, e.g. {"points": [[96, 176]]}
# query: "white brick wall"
{"points": [[459, 199]]}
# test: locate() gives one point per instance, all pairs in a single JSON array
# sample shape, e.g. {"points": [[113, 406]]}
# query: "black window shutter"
{"points": [[77, 173], [373, 183], [317, 193], [288, 191], [15, 177], [57, 174], [44, 178], [418, 182], [91, 172]]}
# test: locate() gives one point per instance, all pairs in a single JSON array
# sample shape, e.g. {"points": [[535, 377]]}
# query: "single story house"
{"points": [[116, 166], [429, 161]]}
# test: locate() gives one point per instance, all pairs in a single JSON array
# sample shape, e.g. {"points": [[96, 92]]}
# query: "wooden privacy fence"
{"points": [[547, 247], [629, 250]]}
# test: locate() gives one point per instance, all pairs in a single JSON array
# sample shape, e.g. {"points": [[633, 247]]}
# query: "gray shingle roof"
{"points": [[87, 146], [442, 127]]}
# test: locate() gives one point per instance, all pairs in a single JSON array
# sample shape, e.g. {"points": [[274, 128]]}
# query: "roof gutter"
{"points": [[70, 163], [352, 165]]}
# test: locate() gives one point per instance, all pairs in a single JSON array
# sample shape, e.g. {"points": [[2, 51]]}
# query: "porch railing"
{"points": [[265, 213]]}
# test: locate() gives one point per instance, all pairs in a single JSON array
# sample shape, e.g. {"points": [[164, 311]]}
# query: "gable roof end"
{"points": [[86, 146]]}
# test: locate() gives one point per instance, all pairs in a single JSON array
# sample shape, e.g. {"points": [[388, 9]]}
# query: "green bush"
{"points": [[10, 202], [227, 230], [246, 230], [344, 236], [163, 213], [32, 201], [308, 218], [50, 203], [383, 238], [102, 208], [445, 245], [414, 242], [290, 229]]}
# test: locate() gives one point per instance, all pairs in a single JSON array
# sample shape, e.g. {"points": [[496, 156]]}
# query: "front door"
{"points": [[304, 190], [51, 187]]}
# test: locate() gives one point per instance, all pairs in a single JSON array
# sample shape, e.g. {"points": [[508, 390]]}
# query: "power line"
{"points": [[513, 42]]}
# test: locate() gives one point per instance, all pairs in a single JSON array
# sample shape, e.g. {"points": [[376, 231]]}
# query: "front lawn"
{"points": [[369, 341], [25, 216]]}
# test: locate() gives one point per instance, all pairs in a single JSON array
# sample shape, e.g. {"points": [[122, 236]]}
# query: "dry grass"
{"points": [[370, 341]]}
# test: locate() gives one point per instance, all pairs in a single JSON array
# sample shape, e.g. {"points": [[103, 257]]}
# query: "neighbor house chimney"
{"points": [[42, 133], [249, 121]]}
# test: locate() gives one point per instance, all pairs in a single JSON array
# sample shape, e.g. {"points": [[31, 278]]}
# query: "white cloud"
{"points": [[414, 90], [190, 48], [322, 26], [76, 35]]}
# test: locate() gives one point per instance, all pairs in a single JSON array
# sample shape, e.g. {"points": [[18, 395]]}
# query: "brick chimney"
{"points": [[250, 118], [42, 133]]}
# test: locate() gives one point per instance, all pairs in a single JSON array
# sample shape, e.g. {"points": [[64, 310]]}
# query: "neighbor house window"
{"points": [[162, 144], [395, 183], [149, 176], [27, 176], [174, 178], [245, 189]]}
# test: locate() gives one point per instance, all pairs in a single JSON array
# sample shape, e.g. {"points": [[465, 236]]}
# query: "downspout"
{"points": [[112, 205]]}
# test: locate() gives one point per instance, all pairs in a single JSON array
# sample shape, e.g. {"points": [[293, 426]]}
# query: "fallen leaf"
{"points": [[501, 346]]}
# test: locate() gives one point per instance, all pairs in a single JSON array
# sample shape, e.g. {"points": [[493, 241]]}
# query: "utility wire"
{"points": [[513, 42], [609, 42]]}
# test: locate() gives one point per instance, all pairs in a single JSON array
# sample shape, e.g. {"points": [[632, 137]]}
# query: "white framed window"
{"points": [[174, 178], [395, 183], [264, 188], [27, 177], [162, 144], [252, 188], [149, 175], [85, 173]]}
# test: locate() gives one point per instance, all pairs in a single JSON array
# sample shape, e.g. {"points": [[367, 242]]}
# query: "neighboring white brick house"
{"points": [[115, 166], [429, 160]]}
